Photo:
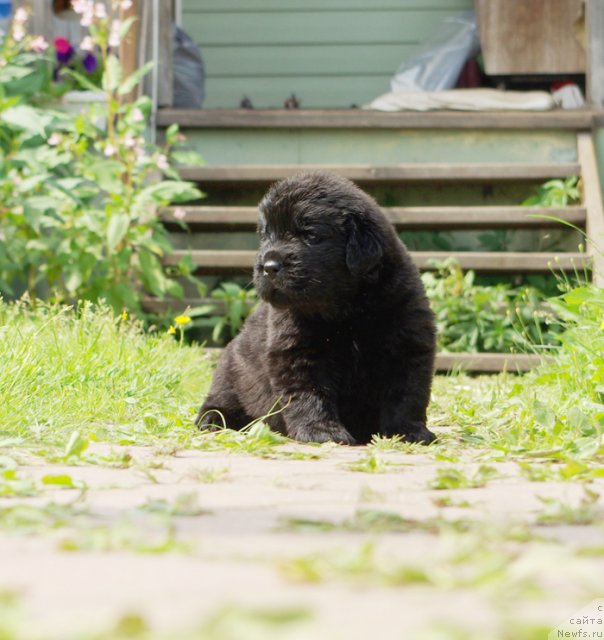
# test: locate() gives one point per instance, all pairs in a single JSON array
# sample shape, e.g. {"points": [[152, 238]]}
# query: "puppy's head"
{"points": [[321, 239]]}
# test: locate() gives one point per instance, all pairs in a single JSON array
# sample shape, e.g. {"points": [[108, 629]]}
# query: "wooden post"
{"points": [[129, 47], [593, 203], [594, 19]]}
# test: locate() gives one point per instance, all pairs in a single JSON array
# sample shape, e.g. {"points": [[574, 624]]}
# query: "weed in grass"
{"points": [[209, 475], [395, 443], [233, 622], [13, 484], [183, 505], [30, 519], [256, 439], [375, 521], [369, 494], [372, 462], [571, 470], [454, 478], [63, 481], [449, 501], [486, 558], [125, 536], [588, 511]]}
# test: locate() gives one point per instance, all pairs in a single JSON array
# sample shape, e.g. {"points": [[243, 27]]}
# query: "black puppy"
{"points": [[343, 343]]}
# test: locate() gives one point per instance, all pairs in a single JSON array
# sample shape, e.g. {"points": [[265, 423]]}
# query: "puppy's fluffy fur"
{"points": [[344, 340]]}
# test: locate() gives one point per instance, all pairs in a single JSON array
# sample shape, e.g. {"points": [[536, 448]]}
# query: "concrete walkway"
{"points": [[287, 548]]}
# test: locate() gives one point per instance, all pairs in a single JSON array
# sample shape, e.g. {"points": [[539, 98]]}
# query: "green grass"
{"points": [[62, 371], [69, 378]]}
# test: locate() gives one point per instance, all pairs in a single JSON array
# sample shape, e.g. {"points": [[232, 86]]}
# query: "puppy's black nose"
{"points": [[272, 267]]}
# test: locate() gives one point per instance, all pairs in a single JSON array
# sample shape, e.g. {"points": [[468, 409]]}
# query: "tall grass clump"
{"points": [[555, 411], [64, 369]]}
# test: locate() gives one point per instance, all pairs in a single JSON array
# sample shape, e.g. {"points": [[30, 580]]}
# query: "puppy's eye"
{"points": [[312, 237]]}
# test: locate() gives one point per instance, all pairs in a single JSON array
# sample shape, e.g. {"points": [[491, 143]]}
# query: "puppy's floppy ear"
{"points": [[365, 246]]}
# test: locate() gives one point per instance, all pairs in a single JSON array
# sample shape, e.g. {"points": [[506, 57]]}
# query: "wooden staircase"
{"points": [[234, 218]]}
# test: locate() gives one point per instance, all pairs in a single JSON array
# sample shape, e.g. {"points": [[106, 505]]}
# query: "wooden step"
{"points": [[577, 119], [404, 218], [366, 173], [242, 262], [487, 362], [425, 172], [445, 362]]}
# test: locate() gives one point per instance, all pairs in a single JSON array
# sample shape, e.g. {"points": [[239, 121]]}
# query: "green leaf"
{"points": [[113, 74], [77, 445], [61, 480], [544, 414], [201, 310], [126, 25], [133, 79], [81, 79], [169, 191], [152, 272], [108, 175], [218, 327], [117, 229], [188, 158], [27, 118], [12, 72], [74, 280]]}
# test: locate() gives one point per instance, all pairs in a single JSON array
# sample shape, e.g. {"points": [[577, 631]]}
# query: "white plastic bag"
{"points": [[438, 63]]}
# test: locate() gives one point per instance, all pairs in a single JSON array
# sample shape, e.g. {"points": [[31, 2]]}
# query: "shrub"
{"points": [[79, 197], [475, 318]]}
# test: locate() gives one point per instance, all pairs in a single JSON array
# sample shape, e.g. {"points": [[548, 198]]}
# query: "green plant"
{"points": [[556, 193], [71, 377], [453, 478], [472, 317], [80, 195], [235, 304]]}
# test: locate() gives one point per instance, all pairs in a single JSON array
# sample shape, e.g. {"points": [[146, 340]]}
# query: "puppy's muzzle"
{"points": [[272, 264]]}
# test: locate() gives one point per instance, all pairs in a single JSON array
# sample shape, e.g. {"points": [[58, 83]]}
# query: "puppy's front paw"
{"points": [[209, 420], [417, 432], [330, 431]]}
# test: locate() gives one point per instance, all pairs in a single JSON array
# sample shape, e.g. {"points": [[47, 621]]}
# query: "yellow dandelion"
{"points": [[124, 315], [171, 330], [602, 325], [182, 320]]}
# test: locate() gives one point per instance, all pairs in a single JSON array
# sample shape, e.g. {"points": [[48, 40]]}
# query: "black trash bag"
{"points": [[189, 75]]}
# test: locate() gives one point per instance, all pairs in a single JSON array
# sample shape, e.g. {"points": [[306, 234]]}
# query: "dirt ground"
{"points": [[221, 545]]}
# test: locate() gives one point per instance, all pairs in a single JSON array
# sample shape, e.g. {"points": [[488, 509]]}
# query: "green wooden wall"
{"points": [[330, 53]]}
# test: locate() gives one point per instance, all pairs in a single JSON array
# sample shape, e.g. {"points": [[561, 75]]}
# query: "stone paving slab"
{"points": [[250, 528]]}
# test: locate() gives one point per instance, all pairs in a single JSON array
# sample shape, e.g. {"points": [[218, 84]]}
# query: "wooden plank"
{"points": [[156, 305], [594, 22], [445, 362], [495, 217], [231, 61], [487, 362], [424, 172], [530, 36], [592, 196], [505, 261], [247, 28], [195, 6], [163, 71], [129, 48], [366, 119], [313, 91], [403, 218], [240, 147], [231, 261]]}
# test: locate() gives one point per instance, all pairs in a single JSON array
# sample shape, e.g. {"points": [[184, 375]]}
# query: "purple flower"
{"points": [[64, 50], [89, 62]]}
